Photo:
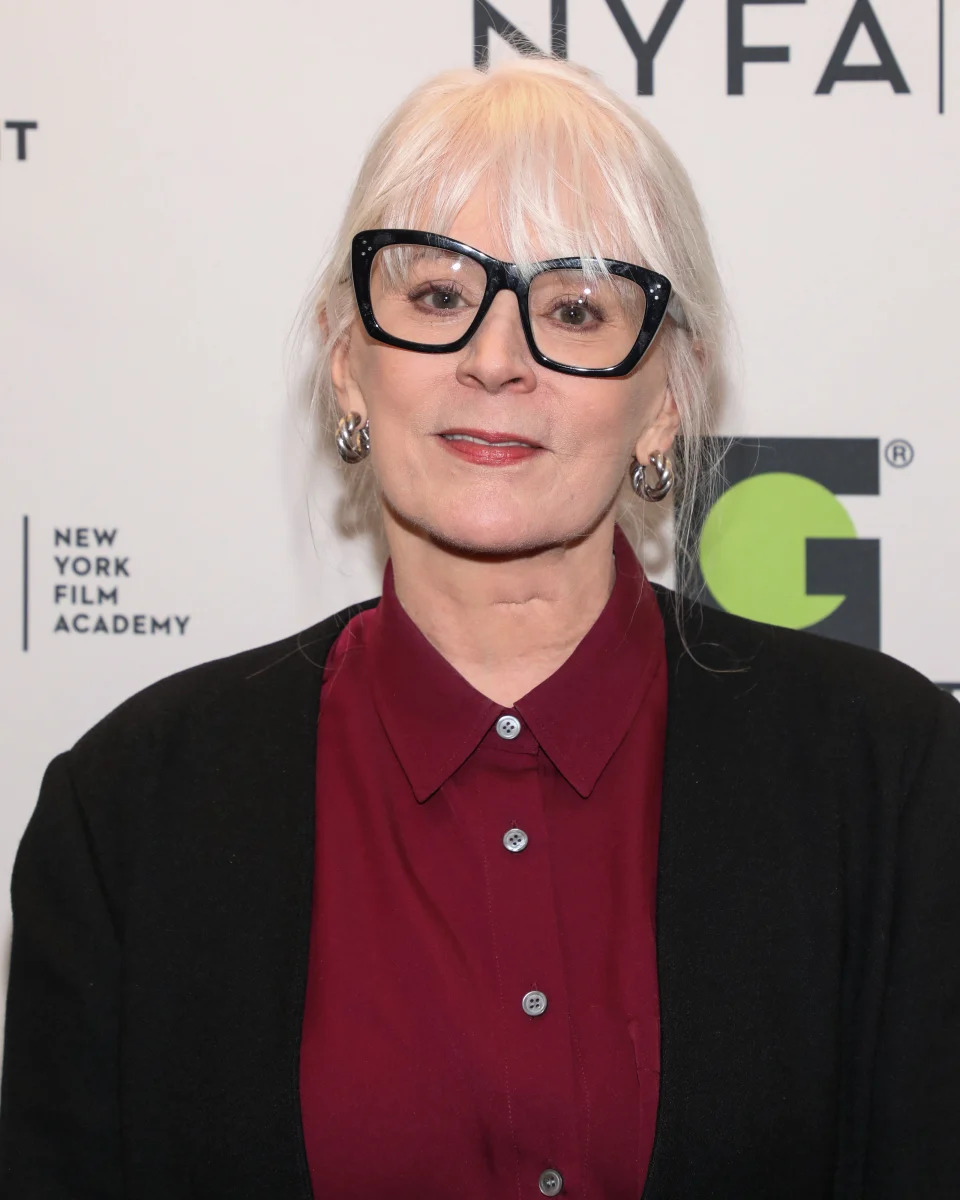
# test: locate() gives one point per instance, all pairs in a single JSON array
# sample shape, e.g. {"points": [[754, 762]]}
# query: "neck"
{"points": [[505, 623]]}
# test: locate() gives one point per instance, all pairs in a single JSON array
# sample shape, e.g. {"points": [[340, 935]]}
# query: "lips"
{"points": [[488, 448], [486, 437]]}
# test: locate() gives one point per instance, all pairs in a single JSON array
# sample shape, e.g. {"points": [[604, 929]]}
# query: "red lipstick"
{"points": [[488, 448]]}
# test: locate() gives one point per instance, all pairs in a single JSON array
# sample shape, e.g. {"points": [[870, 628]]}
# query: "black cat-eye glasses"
{"points": [[423, 291]]}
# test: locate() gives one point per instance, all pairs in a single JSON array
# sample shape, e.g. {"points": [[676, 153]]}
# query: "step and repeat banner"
{"points": [[170, 178]]}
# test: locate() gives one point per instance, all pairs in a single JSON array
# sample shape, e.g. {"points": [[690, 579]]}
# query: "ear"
{"points": [[345, 385], [661, 432]]}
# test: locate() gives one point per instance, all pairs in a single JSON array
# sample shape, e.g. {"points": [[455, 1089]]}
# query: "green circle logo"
{"points": [[753, 548]]}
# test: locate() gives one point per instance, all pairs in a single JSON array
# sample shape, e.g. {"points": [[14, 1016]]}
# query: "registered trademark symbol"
{"points": [[898, 453]]}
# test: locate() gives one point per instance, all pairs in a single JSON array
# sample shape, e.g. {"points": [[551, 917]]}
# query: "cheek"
{"points": [[404, 410], [397, 396], [598, 430]]}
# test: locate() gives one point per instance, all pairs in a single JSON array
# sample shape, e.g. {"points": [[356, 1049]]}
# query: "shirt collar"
{"points": [[435, 719]]}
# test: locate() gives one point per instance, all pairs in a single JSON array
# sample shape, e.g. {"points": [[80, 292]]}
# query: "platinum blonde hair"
{"points": [[554, 138]]}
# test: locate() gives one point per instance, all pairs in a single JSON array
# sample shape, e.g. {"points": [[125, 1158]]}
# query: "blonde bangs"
{"points": [[562, 177]]}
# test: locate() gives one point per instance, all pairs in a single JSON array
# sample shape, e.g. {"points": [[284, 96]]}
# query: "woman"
{"points": [[562, 894]]}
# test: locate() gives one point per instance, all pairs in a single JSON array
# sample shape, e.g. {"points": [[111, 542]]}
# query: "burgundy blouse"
{"points": [[482, 1011]]}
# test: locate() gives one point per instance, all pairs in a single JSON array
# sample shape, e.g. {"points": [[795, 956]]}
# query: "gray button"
{"points": [[508, 727], [515, 840], [551, 1182], [534, 1004]]}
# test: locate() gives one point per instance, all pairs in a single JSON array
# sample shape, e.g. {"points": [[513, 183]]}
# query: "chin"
{"points": [[495, 535], [492, 543]]}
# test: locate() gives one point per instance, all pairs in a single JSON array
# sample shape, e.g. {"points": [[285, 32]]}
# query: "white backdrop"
{"points": [[160, 225]]}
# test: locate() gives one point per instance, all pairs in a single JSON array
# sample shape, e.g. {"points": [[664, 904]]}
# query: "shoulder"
{"points": [[214, 700], [786, 682]]}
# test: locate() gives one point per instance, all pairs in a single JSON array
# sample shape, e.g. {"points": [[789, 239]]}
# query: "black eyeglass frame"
{"points": [[657, 289]]}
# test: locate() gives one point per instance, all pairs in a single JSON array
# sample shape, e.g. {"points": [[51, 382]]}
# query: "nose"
{"points": [[497, 356]]}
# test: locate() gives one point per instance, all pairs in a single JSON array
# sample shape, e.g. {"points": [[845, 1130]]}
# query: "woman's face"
{"points": [[586, 430]]}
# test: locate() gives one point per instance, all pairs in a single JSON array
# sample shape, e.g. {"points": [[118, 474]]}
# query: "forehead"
{"points": [[478, 224], [557, 220]]}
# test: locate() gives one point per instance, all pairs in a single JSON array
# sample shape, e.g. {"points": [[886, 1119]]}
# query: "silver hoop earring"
{"points": [[353, 439], [664, 469]]}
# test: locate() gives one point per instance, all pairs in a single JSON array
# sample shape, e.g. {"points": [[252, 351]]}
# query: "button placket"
{"points": [[526, 934]]}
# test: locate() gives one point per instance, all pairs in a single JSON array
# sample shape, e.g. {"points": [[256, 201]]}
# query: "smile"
{"points": [[488, 449], [466, 437]]}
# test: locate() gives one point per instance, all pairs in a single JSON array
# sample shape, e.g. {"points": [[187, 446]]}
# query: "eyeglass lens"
{"points": [[579, 317]]}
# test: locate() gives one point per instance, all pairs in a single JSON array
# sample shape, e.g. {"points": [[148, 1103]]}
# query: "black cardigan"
{"points": [[808, 913]]}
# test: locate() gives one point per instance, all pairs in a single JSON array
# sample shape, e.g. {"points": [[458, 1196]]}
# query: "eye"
{"points": [[446, 294], [578, 309]]}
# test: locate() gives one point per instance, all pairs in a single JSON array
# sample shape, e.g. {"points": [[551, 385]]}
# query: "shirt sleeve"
{"points": [[914, 1135], [59, 1099]]}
